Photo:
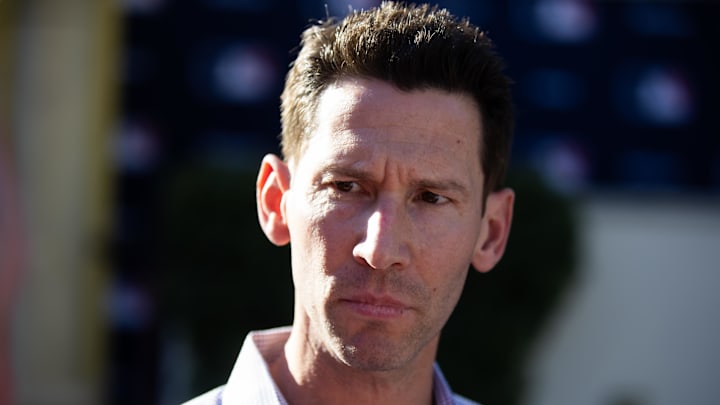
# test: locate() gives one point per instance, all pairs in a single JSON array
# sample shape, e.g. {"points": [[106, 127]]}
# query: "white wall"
{"points": [[641, 324]]}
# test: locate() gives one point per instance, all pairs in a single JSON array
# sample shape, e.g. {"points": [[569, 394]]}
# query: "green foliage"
{"points": [[221, 277]]}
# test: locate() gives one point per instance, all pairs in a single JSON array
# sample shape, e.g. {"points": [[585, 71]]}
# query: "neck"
{"points": [[308, 374]]}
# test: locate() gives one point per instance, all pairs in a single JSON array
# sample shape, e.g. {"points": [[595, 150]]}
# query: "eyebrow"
{"points": [[344, 171], [442, 185], [430, 184]]}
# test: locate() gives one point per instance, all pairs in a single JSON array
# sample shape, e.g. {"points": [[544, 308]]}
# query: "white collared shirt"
{"points": [[251, 382]]}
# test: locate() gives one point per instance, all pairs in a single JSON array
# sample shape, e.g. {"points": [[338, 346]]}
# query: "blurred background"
{"points": [[132, 264]]}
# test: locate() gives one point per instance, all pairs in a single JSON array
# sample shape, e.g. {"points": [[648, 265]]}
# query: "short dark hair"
{"points": [[411, 47]]}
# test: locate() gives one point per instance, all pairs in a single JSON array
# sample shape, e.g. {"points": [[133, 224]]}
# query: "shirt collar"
{"points": [[251, 382]]}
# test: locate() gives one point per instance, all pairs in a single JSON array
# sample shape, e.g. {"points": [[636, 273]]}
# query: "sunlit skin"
{"points": [[384, 213]]}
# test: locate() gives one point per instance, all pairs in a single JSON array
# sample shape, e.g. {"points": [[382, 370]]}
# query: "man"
{"points": [[396, 129]]}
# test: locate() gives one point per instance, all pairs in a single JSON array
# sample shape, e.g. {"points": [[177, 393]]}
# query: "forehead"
{"points": [[430, 115], [367, 124]]}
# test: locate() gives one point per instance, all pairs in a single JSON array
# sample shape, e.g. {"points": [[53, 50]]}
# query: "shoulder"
{"points": [[212, 397]]}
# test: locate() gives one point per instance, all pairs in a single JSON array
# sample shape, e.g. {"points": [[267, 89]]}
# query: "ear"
{"points": [[272, 183], [495, 230]]}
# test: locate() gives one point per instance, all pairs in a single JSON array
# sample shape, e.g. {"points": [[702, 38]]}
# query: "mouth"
{"points": [[375, 307]]}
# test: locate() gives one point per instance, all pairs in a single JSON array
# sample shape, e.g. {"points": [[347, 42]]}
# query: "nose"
{"points": [[385, 242]]}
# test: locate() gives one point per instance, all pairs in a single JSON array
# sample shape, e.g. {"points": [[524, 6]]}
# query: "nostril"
{"points": [[382, 247], [384, 239], [373, 256]]}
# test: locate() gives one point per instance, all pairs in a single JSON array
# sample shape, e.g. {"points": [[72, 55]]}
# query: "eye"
{"points": [[432, 198], [345, 186]]}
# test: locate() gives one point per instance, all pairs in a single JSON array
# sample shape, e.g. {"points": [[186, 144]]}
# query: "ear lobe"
{"points": [[272, 183], [496, 229]]}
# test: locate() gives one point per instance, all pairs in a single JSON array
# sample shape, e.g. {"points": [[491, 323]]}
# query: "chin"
{"points": [[376, 353], [371, 362]]}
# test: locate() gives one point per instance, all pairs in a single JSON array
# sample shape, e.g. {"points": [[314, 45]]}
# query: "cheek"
{"points": [[319, 237], [445, 257], [447, 283], [446, 239], [332, 223]]}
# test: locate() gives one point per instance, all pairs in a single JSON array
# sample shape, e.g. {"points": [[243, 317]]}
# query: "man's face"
{"points": [[384, 213]]}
